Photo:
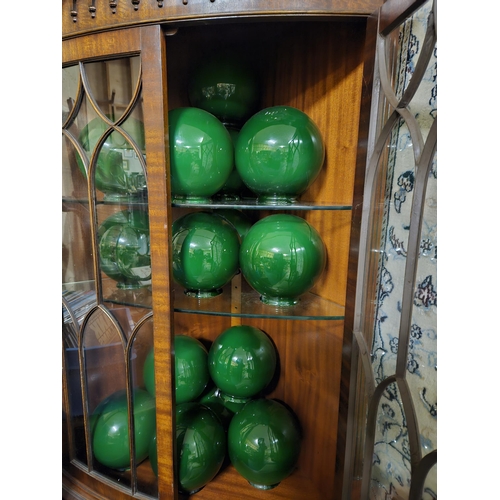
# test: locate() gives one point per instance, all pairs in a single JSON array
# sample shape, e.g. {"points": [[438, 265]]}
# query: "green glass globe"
{"points": [[201, 154], [242, 362], [282, 257], [118, 218], [211, 399], [205, 253], [241, 222], [264, 441], [119, 172], [234, 188], [226, 85], [279, 153], [124, 252], [191, 370], [201, 446], [110, 434]]}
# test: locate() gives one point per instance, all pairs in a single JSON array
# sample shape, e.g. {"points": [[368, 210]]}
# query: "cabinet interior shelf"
{"points": [[253, 204], [237, 299], [227, 478], [245, 204], [68, 202]]}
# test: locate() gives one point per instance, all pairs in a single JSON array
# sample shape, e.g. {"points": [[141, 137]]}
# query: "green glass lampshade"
{"points": [[279, 153], [201, 446], [241, 222], [201, 154], [282, 257], [234, 188], [205, 253], [110, 428], [211, 398], [124, 252], [191, 369], [119, 172], [264, 441], [226, 85], [242, 362]]}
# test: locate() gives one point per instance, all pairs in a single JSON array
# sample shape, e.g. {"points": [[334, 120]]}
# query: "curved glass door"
{"points": [[393, 410], [108, 328]]}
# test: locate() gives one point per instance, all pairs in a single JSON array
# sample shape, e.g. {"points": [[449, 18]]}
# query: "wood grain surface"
{"points": [[316, 66]]}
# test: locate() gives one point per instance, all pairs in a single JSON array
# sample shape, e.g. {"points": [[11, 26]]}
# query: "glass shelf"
{"points": [[237, 299], [84, 201], [253, 204], [78, 287], [247, 204], [139, 297], [240, 300]]}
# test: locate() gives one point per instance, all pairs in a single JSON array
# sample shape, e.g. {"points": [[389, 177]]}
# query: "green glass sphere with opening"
{"points": [[227, 85], [119, 171], [282, 257], [205, 253], [242, 361], [124, 249], [201, 446], [201, 154], [110, 428], [279, 153], [264, 442]]}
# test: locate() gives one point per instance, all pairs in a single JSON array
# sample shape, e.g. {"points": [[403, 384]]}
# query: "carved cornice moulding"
{"points": [[80, 17]]}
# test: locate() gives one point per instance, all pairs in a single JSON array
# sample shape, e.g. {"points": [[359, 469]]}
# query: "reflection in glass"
{"points": [[104, 361], [403, 48], [113, 84], [119, 172], [423, 104], [106, 128], [124, 252], [70, 86], [77, 261], [139, 347], [399, 293], [422, 353], [392, 248], [391, 449], [72, 402], [103, 344], [74, 185], [106, 228]]}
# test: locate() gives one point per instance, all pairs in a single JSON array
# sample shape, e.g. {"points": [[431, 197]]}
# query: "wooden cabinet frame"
{"points": [[324, 77]]}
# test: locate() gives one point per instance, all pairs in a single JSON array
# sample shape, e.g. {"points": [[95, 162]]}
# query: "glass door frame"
{"points": [[149, 43]]}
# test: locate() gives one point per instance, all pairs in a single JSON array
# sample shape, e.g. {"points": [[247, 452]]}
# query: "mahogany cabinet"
{"points": [[128, 60]]}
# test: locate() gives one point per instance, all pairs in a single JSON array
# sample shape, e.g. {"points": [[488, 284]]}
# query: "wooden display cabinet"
{"points": [[310, 59]]}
